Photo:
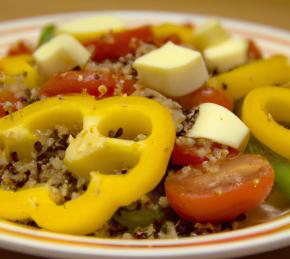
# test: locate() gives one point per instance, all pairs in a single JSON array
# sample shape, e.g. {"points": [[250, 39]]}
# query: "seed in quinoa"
{"points": [[14, 156], [224, 86], [46, 166], [184, 228], [38, 146], [115, 134], [140, 235]]}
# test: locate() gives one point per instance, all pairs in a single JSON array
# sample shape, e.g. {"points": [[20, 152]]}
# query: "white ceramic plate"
{"points": [[259, 238]]}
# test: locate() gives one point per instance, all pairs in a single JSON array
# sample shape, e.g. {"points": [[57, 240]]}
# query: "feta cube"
{"points": [[226, 55], [60, 54], [220, 125], [209, 34], [172, 70]]}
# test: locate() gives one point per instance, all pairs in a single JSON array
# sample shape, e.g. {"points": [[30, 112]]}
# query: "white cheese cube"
{"points": [[209, 34], [60, 54], [226, 55], [87, 28], [220, 125], [172, 70]]}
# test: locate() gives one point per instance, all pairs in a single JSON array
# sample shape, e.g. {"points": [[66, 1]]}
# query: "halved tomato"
{"points": [[222, 192], [187, 154], [205, 95], [6, 108], [187, 151], [20, 48], [119, 44], [253, 51], [99, 84]]}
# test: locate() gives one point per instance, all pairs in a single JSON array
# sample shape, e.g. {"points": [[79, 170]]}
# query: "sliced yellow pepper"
{"points": [[166, 29], [93, 155], [19, 66], [238, 82], [262, 110]]}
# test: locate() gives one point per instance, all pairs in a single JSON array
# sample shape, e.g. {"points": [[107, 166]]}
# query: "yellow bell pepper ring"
{"points": [[238, 82], [184, 32], [262, 110], [19, 66], [92, 154]]}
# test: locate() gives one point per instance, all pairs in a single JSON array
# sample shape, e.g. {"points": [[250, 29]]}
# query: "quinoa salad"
{"points": [[221, 147]]}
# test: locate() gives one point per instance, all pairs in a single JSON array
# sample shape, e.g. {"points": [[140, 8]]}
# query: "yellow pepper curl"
{"points": [[184, 32], [19, 66], [93, 154], [238, 82], [262, 110]]}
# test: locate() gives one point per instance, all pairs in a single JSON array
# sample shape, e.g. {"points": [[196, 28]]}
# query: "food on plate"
{"points": [[157, 131]]}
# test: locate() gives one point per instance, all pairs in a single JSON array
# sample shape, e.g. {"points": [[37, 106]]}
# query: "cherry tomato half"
{"points": [[83, 81], [118, 44], [253, 51], [20, 48], [186, 154], [236, 185], [6, 96], [205, 95]]}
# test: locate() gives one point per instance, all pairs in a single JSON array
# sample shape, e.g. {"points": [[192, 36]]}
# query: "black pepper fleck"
{"points": [[224, 86], [96, 76], [14, 156], [38, 146]]}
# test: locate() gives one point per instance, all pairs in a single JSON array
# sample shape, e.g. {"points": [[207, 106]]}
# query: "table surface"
{"points": [[270, 12]]}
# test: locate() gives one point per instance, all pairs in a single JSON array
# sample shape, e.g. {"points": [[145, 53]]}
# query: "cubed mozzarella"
{"points": [[172, 70], [60, 54], [220, 125], [209, 34], [87, 28], [226, 55]]}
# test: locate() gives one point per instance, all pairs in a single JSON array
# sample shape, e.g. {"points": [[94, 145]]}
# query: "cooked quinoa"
{"points": [[46, 166]]}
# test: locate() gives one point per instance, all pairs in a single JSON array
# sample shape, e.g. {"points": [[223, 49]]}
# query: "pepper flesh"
{"points": [[238, 82], [183, 31], [106, 191], [19, 66], [262, 110]]}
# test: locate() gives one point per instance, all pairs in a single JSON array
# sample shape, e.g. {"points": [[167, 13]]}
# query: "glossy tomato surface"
{"points": [[205, 95], [119, 44], [220, 192], [99, 84]]}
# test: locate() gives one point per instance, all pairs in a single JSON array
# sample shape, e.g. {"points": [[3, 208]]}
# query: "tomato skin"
{"points": [[183, 155], [253, 51], [241, 184], [6, 96], [85, 81], [205, 94], [20, 48], [172, 37], [119, 44]]}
